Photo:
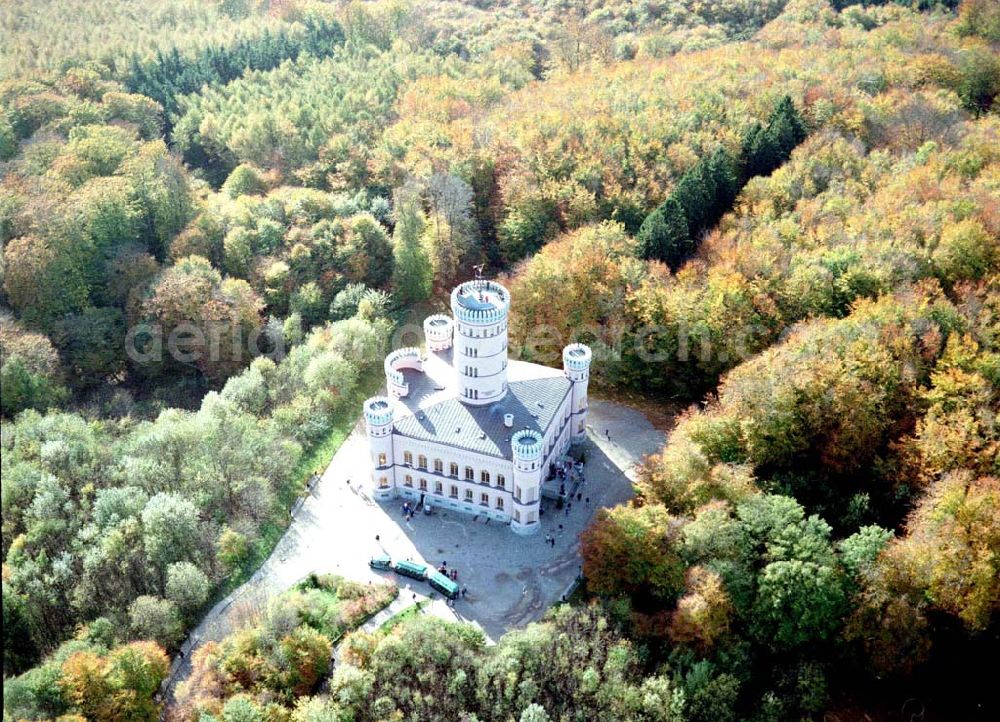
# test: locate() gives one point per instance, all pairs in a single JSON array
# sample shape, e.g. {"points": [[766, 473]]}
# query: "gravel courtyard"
{"points": [[511, 580]]}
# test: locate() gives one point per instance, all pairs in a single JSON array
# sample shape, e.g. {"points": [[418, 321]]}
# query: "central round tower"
{"points": [[480, 309]]}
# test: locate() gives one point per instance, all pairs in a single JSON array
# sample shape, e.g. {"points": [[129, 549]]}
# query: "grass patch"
{"points": [[334, 606], [395, 620]]}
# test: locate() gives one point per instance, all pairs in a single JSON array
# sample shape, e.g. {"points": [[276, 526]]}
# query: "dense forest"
{"points": [[782, 214]]}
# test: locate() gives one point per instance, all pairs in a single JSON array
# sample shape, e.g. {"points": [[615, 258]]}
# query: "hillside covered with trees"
{"points": [[782, 215]]}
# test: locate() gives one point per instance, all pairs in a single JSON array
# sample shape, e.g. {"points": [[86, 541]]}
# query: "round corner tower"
{"points": [[526, 447], [378, 425], [438, 331], [480, 310], [576, 365]]}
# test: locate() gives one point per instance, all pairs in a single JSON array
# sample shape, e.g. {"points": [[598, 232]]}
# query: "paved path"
{"points": [[511, 580]]}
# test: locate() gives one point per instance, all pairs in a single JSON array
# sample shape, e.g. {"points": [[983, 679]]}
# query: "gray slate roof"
{"points": [[435, 415]]}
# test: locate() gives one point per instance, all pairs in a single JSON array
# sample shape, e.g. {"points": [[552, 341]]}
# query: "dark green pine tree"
{"points": [[413, 276], [722, 168], [692, 193], [786, 129], [664, 234], [760, 155]]}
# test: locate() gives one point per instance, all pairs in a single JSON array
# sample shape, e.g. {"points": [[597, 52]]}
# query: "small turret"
{"points": [[576, 366], [526, 446], [378, 425], [395, 362], [438, 331]]}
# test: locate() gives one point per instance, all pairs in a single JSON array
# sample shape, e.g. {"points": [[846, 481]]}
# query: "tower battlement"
{"points": [[480, 302]]}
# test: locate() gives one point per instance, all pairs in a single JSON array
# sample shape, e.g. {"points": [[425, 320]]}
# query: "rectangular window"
{"points": [[469, 473], [517, 516], [454, 492], [383, 483], [409, 481], [438, 488], [423, 485], [517, 493], [381, 459]]}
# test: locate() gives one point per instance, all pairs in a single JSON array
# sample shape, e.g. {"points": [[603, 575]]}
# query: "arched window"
{"points": [[500, 503], [408, 458], [469, 473], [438, 466], [484, 477], [423, 485], [438, 488], [381, 459], [409, 481], [422, 462], [501, 482], [453, 470]]}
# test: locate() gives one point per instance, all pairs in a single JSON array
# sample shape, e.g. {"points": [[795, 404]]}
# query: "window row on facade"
{"points": [[438, 488], [480, 332], [468, 473]]}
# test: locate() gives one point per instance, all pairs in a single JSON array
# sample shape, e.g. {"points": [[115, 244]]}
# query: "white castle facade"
{"points": [[463, 427]]}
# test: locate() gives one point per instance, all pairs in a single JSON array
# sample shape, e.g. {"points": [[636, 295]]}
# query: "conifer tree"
{"points": [[413, 275], [664, 234], [693, 196]]}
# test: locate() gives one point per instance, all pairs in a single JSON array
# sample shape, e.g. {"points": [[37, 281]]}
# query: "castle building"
{"points": [[462, 427]]}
